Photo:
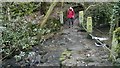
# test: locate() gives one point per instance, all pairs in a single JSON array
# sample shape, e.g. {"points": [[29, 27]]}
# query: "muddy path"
{"points": [[83, 51]]}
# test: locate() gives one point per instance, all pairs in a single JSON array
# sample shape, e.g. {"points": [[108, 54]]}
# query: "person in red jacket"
{"points": [[70, 16]]}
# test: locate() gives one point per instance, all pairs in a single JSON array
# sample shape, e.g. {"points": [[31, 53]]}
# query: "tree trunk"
{"points": [[48, 14], [113, 25]]}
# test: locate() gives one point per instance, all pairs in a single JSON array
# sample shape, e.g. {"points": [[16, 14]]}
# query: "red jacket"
{"points": [[70, 13]]}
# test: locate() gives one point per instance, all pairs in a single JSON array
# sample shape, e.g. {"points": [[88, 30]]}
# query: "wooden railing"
{"points": [[89, 30]]}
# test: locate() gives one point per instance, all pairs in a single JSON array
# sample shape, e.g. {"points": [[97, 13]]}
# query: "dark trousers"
{"points": [[70, 21]]}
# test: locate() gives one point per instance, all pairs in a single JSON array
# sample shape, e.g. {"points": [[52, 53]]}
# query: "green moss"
{"points": [[62, 58], [117, 33], [117, 36], [65, 55]]}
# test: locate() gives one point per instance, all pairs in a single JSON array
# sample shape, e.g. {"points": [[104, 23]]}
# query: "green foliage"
{"points": [[117, 63], [53, 24], [117, 34], [115, 12], [20, 9], [19, 57], [117, 48], [65, 55], [100, 13], [114, 22], [116, 9], [23, 35], [44, 7], [20, 34]]}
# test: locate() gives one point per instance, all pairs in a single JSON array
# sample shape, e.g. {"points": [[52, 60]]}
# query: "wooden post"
{"points": [[113, 53], [89, 24], [81, 17], [62, 3], [61, 17]]}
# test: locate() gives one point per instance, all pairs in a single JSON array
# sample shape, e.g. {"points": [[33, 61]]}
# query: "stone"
{"points": [[93, 64], [37, 59], [94, 58], [88, 55], [88, 60], [43, 60], [2, 28], [80, 64], [62, 43], [104, 57], [69, 62], [76, 48]]}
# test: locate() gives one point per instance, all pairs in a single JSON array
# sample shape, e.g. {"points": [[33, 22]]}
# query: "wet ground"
{"points": [[83, 51]]}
